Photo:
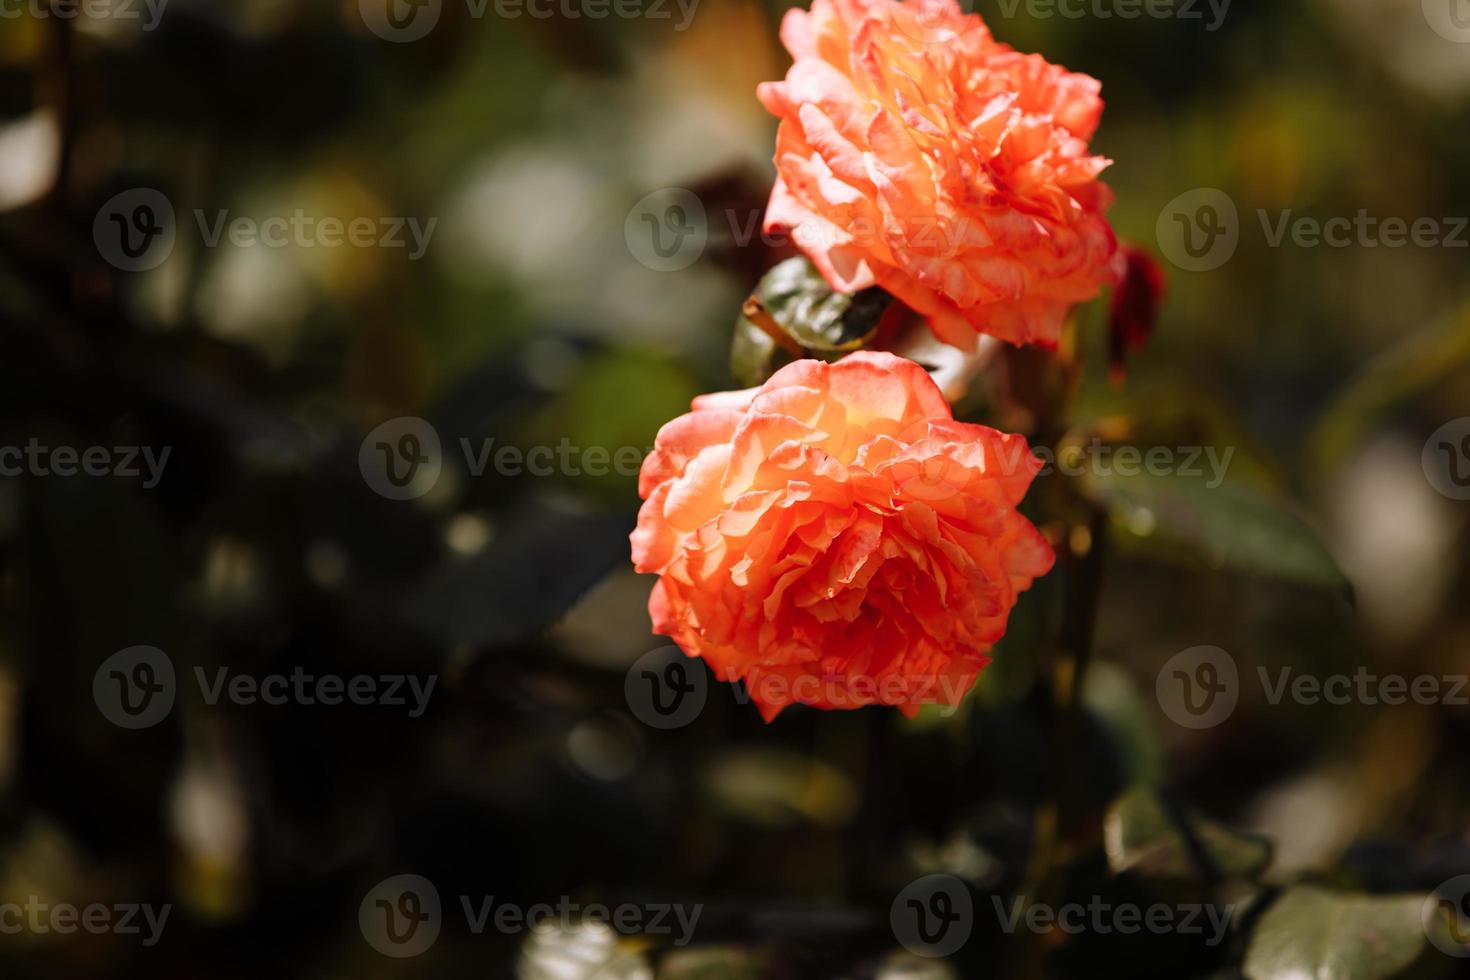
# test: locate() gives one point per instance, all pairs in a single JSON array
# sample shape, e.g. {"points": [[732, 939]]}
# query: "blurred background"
{"points": [[171, 279]]}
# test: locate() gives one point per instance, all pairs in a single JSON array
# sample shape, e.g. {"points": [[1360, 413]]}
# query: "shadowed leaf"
{"points": [[1229, 527], [1143, 837], [1312, 932], [804, 308]]}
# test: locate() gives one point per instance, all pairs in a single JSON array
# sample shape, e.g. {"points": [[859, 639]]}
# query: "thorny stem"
{"points": [[1083, 553], [1086, 551]]}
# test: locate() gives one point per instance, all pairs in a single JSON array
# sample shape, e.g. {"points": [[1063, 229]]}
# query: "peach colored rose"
{"points": [[919, 154], [835, 538]]}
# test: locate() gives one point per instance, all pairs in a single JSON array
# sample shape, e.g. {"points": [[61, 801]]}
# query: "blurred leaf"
{"points": [[1312, 932], [777, 787], [804, 307], [589, 951], [1229, 527], [613, 404], [910, 966], [1420, 361], [1143, 837], [1012, 673], [959, 855], [712, 963], [1176, 412], [1110, 694], [547, 555]]}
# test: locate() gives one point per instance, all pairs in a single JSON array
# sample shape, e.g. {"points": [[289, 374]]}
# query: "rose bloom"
{"points": [[835, 538], [917, 153]]}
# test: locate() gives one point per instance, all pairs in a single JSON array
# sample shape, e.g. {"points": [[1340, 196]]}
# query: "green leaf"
{"points": [[754, 356], [1110, 694], [1142, 836], [1324, 935], [806, 310], [1420, 361], [1226, 527]]}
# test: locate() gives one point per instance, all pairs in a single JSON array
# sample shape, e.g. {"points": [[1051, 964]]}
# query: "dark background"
{"points": [[529, 320]]}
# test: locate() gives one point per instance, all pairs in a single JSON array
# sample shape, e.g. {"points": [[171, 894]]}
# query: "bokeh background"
{"points": [[530, 320]]}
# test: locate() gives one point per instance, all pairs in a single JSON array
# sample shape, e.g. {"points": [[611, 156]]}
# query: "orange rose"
{"points": [[835, 538], [919, 154]]}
